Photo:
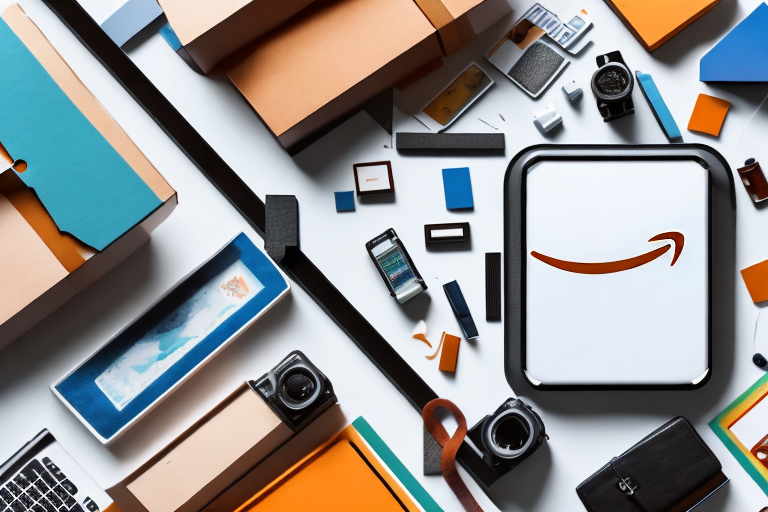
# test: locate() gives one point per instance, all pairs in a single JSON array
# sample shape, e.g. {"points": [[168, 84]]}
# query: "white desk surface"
{"points": [[586, 428]]}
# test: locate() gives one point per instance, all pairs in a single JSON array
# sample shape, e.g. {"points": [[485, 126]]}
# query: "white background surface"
{"points": [[586, 429], [647, 325]]}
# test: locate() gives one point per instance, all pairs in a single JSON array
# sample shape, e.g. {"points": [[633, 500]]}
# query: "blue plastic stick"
{"points": [[659, 108]]}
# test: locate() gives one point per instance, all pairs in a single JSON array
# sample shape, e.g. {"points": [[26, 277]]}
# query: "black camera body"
{"points": [[508, 436], [295, 390], [612, 86]]}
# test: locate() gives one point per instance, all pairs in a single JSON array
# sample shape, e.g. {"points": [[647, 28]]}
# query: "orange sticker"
{"points": [[756, 279], [708, 115], [450, 352]]}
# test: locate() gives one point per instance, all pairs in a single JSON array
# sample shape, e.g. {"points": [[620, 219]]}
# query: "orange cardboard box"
{"points": [[41, 267], [324, 63], [212, 30]]}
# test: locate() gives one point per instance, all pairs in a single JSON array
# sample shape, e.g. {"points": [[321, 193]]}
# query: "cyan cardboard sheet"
{"points": [[86, 186]]}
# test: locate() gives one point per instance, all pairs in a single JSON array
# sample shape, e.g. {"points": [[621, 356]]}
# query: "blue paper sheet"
{"points": [[130, 19], [170, 37], [87, 187], [742, 55], [659, 108], [345, 201], [458, 188]]}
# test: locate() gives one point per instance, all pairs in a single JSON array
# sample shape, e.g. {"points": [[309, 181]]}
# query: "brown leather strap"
{"points": [[442, 19], [450, 446]]}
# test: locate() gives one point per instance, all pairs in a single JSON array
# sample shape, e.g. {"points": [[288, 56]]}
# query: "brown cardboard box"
{"points": [[336, 54], [212, 30], [208, 460], [40, 267]]}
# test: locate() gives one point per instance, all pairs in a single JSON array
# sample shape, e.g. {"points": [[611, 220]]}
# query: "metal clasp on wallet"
{"points": [[627, 486]]}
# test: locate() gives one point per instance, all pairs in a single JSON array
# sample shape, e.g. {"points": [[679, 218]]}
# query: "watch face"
{"points": [[612, 82]]}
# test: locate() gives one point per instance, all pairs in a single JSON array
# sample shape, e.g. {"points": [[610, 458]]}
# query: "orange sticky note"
{"points": [[708, 115], [450, 352], [654, 22], [756, 279]]}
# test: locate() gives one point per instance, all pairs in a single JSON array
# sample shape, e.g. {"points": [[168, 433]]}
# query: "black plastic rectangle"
{"points": [[450, 142], [493, 286], [438, 233]]}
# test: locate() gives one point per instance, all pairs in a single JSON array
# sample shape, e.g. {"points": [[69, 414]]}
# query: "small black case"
{"points": [[671, 470]]}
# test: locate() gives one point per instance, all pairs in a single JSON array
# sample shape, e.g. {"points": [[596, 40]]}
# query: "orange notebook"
{"points": [[344, 474], [654, 22]]}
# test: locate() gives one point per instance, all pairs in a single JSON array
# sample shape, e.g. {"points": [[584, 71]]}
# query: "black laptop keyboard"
{"points": [[42, 487]]}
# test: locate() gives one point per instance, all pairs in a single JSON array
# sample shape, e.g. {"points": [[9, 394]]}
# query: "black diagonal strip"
{"points": [[296, 263]]}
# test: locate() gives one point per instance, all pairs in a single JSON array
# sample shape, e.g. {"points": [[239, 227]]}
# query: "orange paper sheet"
{"points": [[342, 475], [708, 115], [654, 22], [756, 279]]}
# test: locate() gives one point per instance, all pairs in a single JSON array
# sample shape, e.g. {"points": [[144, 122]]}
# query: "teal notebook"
{"points": [[89, 190]]}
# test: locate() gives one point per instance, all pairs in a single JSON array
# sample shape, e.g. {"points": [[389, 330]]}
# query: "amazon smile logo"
{"points": [[621, 265]]}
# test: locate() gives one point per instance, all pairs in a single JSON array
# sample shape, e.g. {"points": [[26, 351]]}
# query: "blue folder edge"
{"points": [[130, 19], [79, 390]]}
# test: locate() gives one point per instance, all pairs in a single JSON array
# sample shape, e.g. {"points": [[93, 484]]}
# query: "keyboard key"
{"points": [[53, 468], [91, 505], [37, 508], [15, 489], [6, 495], [50, 465], [26, 500], [76, 508], [41, 486], [17, 506], [63, 509], [3, 504], [56, 498], [46, 476], [34, 493], [47, 505], [22, 480], [69, 486], [70, 502]]}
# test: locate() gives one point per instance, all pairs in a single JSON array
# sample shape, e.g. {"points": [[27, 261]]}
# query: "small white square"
{"points": [[373, 178]]}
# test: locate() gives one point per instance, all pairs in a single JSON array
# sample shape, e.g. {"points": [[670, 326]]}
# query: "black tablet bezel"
{"points": [[721, 229]]}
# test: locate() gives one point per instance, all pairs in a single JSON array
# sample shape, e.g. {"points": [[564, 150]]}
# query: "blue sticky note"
{"points": [[659, 108], [345, 201], [129, 19], [170, 37], [458, 188], [742, 55], [87, 187]]}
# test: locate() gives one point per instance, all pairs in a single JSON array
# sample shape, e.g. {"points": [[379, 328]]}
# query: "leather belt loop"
{"points": [[445, 24], [450, 446]]}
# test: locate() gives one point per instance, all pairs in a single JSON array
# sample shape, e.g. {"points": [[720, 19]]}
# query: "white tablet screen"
{"points": [[637, 319]]}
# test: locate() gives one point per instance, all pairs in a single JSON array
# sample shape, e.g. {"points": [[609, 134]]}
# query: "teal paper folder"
{"points": [[89, 190]]}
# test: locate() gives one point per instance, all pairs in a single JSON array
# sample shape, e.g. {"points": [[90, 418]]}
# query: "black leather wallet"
{"points": [[671, 470]]}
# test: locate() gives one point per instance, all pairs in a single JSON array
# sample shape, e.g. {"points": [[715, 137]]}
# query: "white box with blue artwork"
{"points": [[151, 357]]}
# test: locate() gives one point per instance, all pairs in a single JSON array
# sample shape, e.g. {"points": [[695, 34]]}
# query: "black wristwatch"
{"points": [[612, 86]]}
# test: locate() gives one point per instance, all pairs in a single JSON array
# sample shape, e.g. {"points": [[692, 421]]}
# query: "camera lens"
{"points": [[511, 433], [298, 387]]}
